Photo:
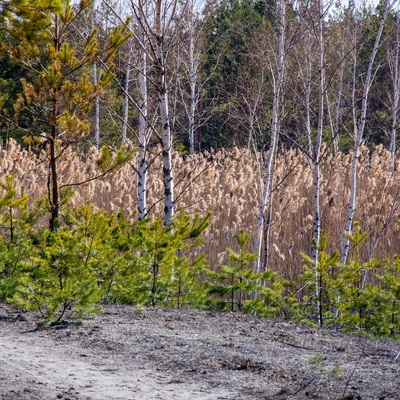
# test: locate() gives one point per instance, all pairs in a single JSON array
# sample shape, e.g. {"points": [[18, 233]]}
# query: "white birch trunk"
{"points": [[308, 96], [96, 99], [274, 137], [267, 226], [165, 122], [192, 84], [317, 156], [354, 85], [396, 90], [126, 96], [141, 190], [331, 124], [359, 137], [96, 110], [251, 133]]}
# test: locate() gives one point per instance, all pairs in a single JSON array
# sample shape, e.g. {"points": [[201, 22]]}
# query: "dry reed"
{"points": [[228, 184]]}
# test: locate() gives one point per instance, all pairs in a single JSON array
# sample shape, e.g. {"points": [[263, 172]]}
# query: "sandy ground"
{"points": [[191, 355]]}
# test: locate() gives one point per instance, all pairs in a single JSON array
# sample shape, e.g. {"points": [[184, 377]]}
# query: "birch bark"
{"points": [[308, 94], [194, 54], [126, 95], [277, 87], [396, 91], [192, 82], [317, 158], [141, 189], [96, 99], [359, 136], [96, 111], [164, 116]]}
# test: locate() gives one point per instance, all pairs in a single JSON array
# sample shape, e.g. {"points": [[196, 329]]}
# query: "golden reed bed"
{"points": [[228, 184]]}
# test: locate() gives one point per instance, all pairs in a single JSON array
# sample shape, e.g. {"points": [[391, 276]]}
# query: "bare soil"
{"points": [[192, 355]]}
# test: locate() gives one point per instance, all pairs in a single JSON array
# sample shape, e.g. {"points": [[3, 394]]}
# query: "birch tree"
{"points": [[308, 89], [162, 25], [158, 21], [193, 73], [313, 74], [317, 153], [343, 44], [136, 58], [95, 81], [360, 134], [128, 68], [338, 104], [394, 66], [191, 82], [277, 80], [144, 136], [304, 62]]}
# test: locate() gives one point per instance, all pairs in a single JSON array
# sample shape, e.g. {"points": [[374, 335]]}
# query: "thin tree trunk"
{"points": [[192, 84], [339, 104], [317, 157], [53, 184], [252, 109], [173, 102], [97, 111], [165, 122], [53, 188], [353, 94], [267, 227], [331, 125], [143, 126], [274, 137], [354, 82], [396, 90], [358, 139], [126, 96], [96, 99], [308, 96]]}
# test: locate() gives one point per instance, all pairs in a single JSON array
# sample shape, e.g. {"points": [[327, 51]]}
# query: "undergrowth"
{"points": [[95, 258]]}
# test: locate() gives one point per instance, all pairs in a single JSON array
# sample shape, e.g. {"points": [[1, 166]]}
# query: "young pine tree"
{"points": [[58, 95], [16, 224], [236, 282]]}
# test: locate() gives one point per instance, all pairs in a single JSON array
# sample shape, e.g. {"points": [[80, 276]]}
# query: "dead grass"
{"points": [[228, 184]]}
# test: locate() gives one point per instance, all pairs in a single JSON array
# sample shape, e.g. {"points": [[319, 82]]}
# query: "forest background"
{"points": [[280, 118]]}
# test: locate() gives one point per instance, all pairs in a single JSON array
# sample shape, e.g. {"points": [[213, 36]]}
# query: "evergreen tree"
{"points": [[231, 33], [55, 101]]}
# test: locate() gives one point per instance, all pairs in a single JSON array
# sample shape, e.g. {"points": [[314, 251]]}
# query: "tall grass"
{"points": [[228, 184]]}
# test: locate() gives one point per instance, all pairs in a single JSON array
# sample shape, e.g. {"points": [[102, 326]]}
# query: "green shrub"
{"points": [[161, 266], [16, 224], [236, 287], [57, 279], [94, 258]]}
